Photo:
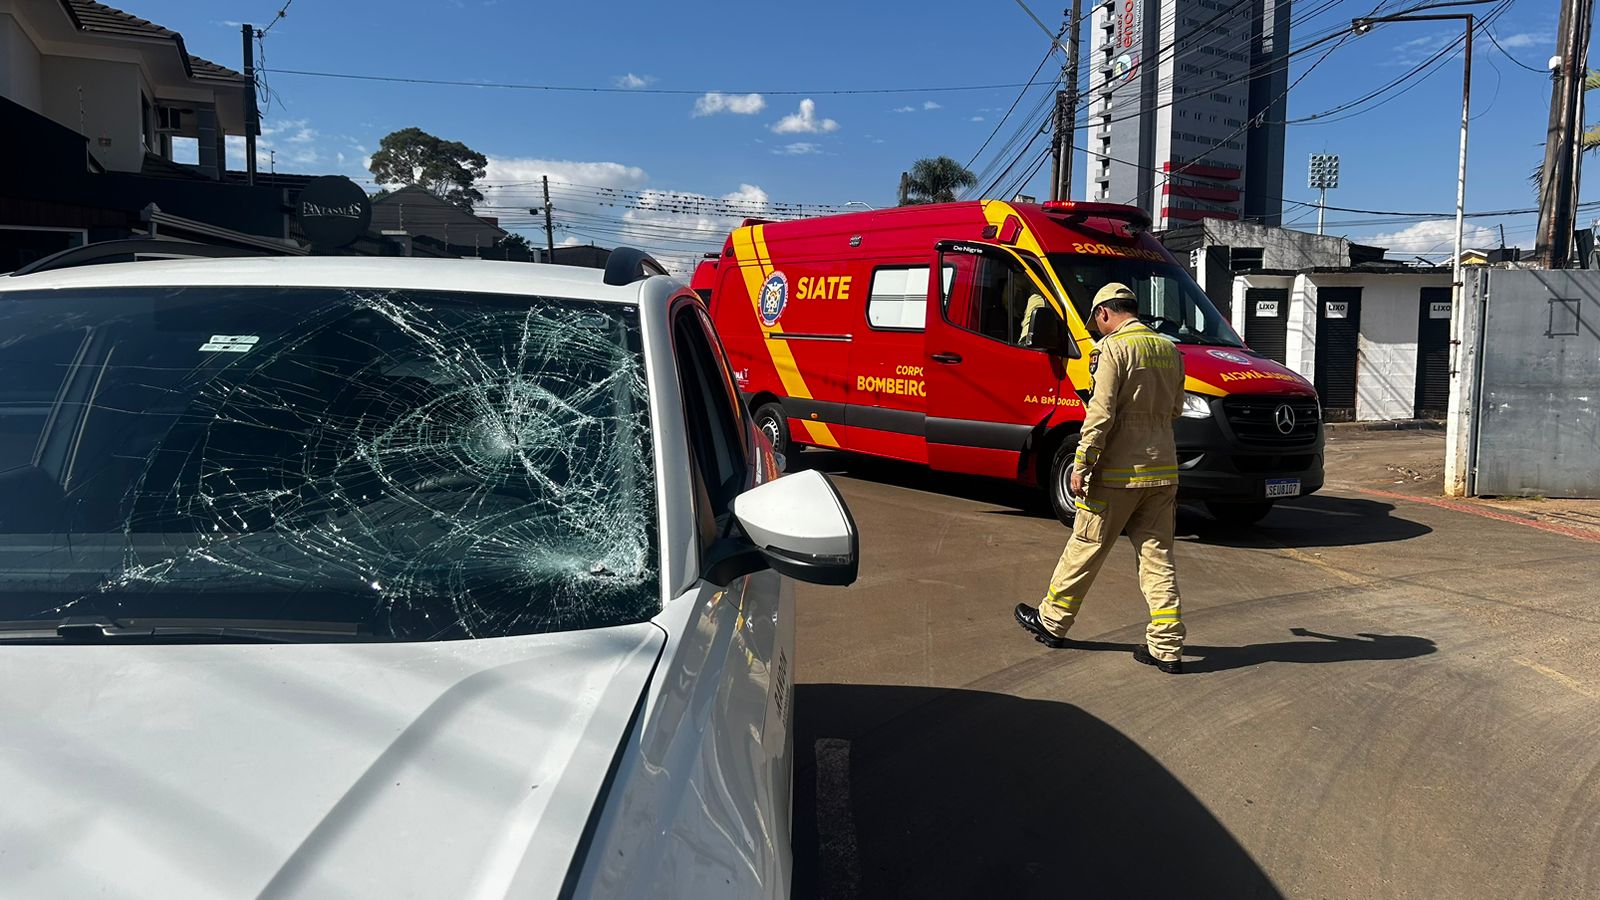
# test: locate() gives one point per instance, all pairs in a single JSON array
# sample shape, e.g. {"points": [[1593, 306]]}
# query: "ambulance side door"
{"points": [[889, 397], [988, 390]]}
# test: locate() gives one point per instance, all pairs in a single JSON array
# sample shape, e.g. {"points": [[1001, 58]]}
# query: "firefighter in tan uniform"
{"points": [[1125, 477]]}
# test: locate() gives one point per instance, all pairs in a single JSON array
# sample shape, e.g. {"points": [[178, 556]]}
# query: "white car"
{"points": [[332, 577]]}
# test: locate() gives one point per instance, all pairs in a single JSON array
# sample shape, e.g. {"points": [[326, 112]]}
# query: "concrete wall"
{"points": [[21, 79], [1300, 347], [1246, 282], [108, 113], [1386, 368], [1282, 248]]}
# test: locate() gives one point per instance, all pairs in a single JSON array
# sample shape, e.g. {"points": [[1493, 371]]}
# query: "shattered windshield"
{"points": [[1169, 300], [424, 465]]}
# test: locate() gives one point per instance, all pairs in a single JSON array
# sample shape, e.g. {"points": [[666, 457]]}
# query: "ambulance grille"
{"points": [[1254, 420]]}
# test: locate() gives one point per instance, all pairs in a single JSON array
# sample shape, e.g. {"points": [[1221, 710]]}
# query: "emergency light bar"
{"points": [[1079, 209]]}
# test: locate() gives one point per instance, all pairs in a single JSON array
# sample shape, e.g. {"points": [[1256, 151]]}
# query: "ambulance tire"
{"points": [[774, 423], [1239, 514], [1059, 481]]}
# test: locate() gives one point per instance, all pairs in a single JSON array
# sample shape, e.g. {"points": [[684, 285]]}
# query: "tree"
{"points": [[934, 180], [516, 248], [447, 168]]}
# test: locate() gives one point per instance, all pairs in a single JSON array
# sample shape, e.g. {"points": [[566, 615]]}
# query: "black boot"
{"points": [[1142, 654], [1028, 618]]}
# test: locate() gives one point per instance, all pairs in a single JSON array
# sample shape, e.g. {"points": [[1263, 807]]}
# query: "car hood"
{"points": [[1220, 371], [449, 769]]}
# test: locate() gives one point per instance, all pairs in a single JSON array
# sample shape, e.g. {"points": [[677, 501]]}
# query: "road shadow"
{"points": [[1021, 500], [935, 793], [1320, 520], [1323, 648]]}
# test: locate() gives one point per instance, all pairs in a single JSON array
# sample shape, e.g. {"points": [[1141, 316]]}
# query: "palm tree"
{"points": [[934, 180], [1589, 140]]}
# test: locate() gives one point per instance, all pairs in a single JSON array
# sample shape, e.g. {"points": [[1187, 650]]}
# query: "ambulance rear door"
{"points": [[997, 348]]}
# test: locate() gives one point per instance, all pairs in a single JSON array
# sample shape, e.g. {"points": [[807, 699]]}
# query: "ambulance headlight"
{"points": [[1196, 406]]}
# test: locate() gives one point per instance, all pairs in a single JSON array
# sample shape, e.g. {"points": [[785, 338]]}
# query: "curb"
{"points": [[1391, 425]]}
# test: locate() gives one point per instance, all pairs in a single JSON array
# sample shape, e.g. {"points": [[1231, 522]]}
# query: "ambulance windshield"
{"points": [[1169, 300]]}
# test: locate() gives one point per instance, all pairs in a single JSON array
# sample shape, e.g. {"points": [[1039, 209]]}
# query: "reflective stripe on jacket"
{"points": [[1127, 439]]}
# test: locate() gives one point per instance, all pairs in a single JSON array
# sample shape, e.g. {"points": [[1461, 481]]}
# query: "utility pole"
{"points": [[549, 229], [1066, 110], [252, 117], [1557, 195]]}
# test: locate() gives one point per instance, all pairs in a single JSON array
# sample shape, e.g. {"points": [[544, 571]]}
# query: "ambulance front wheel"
{"points": [[1059, 484], [773, 423]]}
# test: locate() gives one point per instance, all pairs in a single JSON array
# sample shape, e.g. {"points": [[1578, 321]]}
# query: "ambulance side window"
{"points": [[899, 297]]}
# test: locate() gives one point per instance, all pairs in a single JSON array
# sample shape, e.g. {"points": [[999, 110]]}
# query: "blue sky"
{"points": [[816, 147]]}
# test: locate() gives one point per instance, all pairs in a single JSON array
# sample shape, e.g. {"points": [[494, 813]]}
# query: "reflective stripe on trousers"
{"points": [[1149, 515]]}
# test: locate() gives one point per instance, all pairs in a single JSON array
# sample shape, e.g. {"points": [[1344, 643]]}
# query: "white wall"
{"points": [[1244, 283], [1386, 365], [108, 109], [1300, 345], [21, 80]]}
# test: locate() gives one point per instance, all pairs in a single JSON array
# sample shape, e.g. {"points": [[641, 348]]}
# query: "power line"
{"points": [[282, 13], [1493, 40], [396, 79]]}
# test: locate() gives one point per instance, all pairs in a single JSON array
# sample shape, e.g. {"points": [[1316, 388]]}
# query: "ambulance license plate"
{"points": [[1283, 487]]}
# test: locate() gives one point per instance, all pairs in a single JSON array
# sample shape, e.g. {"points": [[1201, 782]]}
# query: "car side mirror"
{"points": [[1049, 333], [802, 528]]}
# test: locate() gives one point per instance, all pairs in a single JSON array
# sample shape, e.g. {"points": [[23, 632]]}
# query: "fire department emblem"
{"points": [[1225, 356], [774, 297]]}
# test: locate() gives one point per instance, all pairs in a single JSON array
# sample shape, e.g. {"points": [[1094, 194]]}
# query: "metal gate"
{"points": [[1538, 393], [1338, 346], [1266, 322], [1433, 353]]}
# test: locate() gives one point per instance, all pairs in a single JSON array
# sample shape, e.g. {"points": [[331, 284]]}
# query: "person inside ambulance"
{"points": [[1124, 479]]}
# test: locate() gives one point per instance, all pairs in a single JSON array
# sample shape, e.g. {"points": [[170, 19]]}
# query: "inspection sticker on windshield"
{"points": [[230, 343]]}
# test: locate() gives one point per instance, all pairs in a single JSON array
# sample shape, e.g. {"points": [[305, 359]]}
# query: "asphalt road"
{"points": [[1384, 698]]}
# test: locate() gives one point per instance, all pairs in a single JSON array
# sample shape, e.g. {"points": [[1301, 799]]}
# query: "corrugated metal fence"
{"points": [[1538, 392]]}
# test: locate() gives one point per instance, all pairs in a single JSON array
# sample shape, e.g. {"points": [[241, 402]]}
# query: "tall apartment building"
{"points": [[1186, 107]]}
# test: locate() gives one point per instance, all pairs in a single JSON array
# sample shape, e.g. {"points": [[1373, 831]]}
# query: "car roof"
{"points": [[480, 276]]}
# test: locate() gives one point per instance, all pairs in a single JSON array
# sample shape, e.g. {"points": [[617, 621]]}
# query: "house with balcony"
{"points": [[113, 129]]}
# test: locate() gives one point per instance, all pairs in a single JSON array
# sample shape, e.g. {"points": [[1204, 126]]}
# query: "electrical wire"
{"points": [[580, 89]]}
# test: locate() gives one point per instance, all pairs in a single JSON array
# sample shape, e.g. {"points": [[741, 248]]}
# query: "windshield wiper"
{"points": [[98, 629]]}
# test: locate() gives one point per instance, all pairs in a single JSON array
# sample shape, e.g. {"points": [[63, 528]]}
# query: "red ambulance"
{"points": [[952, 335]]}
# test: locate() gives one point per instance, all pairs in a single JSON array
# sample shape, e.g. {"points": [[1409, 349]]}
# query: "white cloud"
{"points": [[1528, 39], [1419, 50], [504, 172], [904, 109], [976, 119], [799, 148], [929, 104], [805, 121], [926, 105], [1434, 238], [738, 104], [632, 81]]}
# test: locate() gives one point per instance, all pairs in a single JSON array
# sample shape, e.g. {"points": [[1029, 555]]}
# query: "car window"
{"points": [[715, 427], [1000, 300], [423, 465]]}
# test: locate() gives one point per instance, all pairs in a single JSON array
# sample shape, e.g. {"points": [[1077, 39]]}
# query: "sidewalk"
{"points": [[1410, 463]]}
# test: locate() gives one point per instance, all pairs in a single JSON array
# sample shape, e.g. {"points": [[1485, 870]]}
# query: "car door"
{"points": [[987, 391], [705, 805]]}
